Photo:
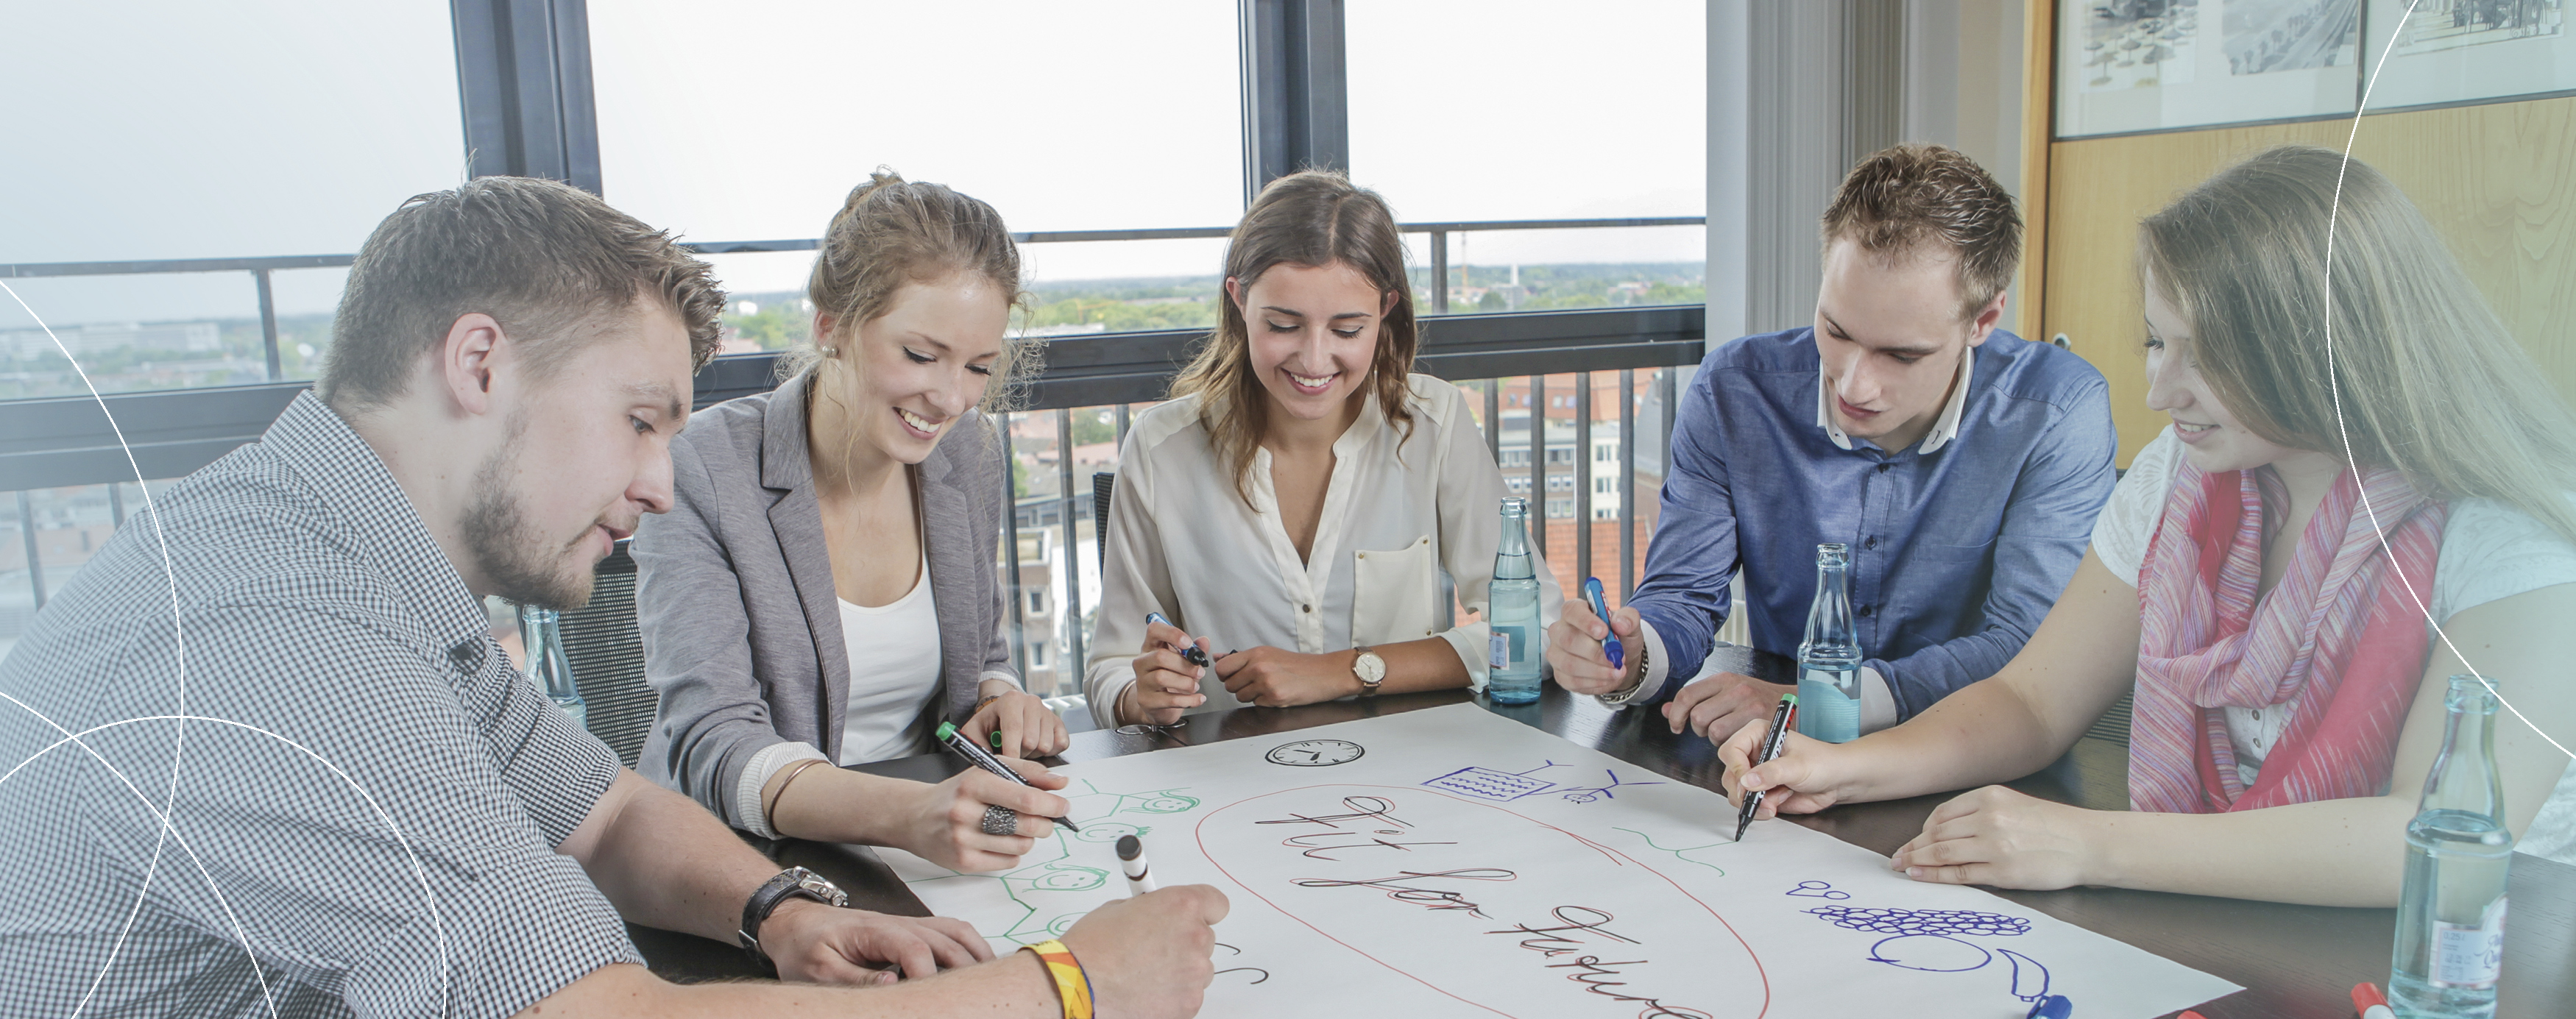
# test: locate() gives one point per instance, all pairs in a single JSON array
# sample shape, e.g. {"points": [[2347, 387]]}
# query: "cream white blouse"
{"points": [[1399, 511]]}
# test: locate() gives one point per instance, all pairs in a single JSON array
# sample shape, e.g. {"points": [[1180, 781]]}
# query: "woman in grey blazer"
{"points": [[823, 590]]}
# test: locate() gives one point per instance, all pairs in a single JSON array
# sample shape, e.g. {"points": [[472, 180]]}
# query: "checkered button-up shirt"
{"points": [[361, 804]]}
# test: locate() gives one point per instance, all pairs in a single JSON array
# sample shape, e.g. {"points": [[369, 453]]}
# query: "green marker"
{"points": [[953, 740]]}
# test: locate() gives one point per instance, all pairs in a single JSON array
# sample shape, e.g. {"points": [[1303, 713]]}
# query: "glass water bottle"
{"points": [[1512, 604], [540, 629], [2450, 915], [1829, 659]]}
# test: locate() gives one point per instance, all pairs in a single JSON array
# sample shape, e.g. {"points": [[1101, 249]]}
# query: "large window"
{"points": [[753, 120], [240, 129], [1524, 109], [269, 129]]}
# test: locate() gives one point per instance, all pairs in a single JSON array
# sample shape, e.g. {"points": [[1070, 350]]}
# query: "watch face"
{"points": [[1315, 753]]}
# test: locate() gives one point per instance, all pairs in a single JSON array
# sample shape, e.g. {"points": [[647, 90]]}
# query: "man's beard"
{"points": [[508, 552]]}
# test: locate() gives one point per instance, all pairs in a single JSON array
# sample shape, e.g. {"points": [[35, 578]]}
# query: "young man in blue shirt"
{"points": [[1961, 464]]}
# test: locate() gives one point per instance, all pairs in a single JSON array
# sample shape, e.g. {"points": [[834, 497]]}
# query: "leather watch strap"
{"points": [[794, 882]]}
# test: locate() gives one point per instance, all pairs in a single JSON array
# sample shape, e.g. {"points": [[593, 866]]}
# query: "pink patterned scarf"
{"points": [[2337, 639]]}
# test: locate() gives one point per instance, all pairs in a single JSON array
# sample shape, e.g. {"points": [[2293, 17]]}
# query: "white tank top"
{"points": [[894, 673]]}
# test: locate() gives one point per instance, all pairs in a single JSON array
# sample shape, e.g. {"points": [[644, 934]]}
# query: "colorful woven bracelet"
{"points": [[1072, 986]]}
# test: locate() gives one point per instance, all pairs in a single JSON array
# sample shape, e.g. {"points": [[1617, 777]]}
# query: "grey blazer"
{"points": [[734, 597]]}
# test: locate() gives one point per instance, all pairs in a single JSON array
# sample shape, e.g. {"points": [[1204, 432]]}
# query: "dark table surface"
{"points": [[2296, 962]]}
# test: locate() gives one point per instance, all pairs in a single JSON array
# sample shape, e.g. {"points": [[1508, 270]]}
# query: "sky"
{"points": [[280, 127]]}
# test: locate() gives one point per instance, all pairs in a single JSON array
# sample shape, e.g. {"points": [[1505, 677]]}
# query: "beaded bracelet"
{"points": [[1072, 985]]}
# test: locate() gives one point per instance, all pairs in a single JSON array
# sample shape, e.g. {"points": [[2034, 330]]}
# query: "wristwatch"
{"points": [[1371, 670], [1620, 698], [794, 881]]}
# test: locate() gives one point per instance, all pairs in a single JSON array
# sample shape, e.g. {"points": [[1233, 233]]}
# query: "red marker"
{"points": [[2367, 1000]]}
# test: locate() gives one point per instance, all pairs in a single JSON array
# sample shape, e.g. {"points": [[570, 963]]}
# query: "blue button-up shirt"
{"points": [[1959, 543]]}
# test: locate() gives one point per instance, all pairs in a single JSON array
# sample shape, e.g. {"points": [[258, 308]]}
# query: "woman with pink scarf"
{"points": [[2365, 489]]}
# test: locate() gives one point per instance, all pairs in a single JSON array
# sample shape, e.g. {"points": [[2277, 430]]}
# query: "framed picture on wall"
{"points": [[2126, 66], [2461, 51]]}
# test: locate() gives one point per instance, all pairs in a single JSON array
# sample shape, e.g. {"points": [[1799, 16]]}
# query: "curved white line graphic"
{"points": [[180, 715], [2334, 390], [438, 928]]}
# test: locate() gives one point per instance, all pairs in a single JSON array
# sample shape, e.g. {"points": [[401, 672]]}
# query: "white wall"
{"points": [[1961, 86], [1963, 79], [1727, 67]]}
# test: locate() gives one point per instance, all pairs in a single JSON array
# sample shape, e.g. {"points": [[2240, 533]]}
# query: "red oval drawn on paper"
{"points": [[1485, 905]]}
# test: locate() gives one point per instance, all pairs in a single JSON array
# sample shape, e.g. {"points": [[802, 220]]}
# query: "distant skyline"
{"points": [[255, 128]]}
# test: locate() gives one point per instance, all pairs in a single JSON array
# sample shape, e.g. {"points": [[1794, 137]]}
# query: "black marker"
{"points": [[1131, 860], [952, 739], [1770, 749]]}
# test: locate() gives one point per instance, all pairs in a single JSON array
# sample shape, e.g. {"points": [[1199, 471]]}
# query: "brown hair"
{"points": [[1904, 200], [2430, 383], [892, 231], [1312, 218], [540, 257]]}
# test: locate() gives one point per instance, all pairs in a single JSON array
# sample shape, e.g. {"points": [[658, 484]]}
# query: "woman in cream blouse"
{"points": [[1292, 508]]}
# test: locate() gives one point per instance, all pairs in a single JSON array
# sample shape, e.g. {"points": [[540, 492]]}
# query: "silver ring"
{"points": [[1000, 820]]}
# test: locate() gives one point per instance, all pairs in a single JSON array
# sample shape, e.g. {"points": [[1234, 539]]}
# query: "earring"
{"points": [[828, 351]]}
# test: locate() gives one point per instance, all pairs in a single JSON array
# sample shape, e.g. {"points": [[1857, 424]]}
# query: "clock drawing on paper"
{"points": [[1315, 753]]}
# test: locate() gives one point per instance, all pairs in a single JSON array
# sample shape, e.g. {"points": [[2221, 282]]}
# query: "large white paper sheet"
{"points": [[1450, 862]]}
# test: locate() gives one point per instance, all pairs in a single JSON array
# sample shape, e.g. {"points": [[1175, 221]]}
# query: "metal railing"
{"points": [[55, 442], [261, 269]]}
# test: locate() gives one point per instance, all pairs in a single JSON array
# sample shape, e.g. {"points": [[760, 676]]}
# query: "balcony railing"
{"points": [[261, 269], [1592, 469]]}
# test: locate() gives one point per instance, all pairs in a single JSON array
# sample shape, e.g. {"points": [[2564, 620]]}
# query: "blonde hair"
{"points": [[1312, 218], [892, 231], [2431, 383]]}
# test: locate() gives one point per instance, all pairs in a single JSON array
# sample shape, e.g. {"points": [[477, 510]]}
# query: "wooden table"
{"points": [[2296, 962]]}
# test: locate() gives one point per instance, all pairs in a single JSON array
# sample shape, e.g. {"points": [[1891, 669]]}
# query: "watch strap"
{"points": [[794, 882], [1645, 663]]}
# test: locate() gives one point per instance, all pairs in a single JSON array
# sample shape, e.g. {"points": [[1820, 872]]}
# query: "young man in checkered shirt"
{"points": [[270, 762]]}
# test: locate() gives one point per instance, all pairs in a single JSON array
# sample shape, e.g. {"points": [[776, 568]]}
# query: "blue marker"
{"points": [[1609, 644]]}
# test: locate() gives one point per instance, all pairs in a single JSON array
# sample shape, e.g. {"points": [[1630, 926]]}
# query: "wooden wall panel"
{"points": [[2499, 182]]}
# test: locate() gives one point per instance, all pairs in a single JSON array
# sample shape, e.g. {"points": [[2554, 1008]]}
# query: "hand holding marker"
{"points": [[1190, 653], [1780, 717], [949, 737], [1609, 641]]}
